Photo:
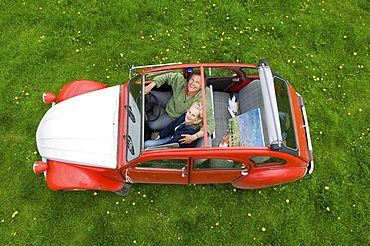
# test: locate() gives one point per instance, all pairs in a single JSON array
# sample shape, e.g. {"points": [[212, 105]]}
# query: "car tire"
{"points": [[124, 191]]}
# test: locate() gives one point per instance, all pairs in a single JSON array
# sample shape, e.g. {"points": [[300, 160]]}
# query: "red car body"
{"points": [[92, 138]]}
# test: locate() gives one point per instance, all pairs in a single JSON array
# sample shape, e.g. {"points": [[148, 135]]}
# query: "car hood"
{"points": [[82, 130]]}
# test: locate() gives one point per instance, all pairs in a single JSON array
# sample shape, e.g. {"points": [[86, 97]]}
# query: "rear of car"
{"points": [[77, 139]]}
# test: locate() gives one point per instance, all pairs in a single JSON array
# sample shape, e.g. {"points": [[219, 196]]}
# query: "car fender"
{"points": [[265, 178], [79, 87], [61, 176]]}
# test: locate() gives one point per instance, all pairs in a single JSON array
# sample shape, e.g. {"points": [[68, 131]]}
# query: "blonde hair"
{"points": [[197, 105]]}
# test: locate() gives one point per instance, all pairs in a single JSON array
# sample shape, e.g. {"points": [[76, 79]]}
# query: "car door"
{"points": [[217, 170], [164, 171]]}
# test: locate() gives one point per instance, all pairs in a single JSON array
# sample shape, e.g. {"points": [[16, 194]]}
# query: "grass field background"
{"points": [[321, 47]]}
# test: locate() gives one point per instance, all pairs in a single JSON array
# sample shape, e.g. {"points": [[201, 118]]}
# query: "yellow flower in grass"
{"points": [[264, 229], [14, 214]]}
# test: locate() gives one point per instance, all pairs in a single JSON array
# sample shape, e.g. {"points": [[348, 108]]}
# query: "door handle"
{"points": [[244, 173], [183, 173]]}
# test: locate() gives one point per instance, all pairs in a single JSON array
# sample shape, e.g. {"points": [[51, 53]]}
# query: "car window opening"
{"points": [[247, 127]]}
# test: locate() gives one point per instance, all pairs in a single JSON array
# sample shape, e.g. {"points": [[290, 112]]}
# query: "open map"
{"points": [[246, 129]]}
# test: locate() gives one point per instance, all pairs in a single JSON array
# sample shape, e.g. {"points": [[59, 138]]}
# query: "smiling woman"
{"points": [[188, 123]]}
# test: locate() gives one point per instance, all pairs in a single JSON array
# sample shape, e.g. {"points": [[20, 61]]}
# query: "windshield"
{"points": [[285, 113]]}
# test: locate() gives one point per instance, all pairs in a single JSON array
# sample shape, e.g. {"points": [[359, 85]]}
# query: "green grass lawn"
{"points": [[321, 47]]}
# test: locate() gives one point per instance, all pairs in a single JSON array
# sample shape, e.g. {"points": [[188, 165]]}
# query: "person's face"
{"points": [[195, 83], [192, 115]]}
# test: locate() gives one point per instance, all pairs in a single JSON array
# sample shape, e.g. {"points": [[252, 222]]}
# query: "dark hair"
{"points": [[197, 72]]}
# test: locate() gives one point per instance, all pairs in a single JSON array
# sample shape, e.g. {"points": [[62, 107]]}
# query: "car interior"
{"points": [[224, 83]]}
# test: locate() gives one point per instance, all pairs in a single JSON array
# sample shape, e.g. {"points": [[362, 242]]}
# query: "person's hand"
{"points": [[157, 138], [149, 87], [187, 138]]}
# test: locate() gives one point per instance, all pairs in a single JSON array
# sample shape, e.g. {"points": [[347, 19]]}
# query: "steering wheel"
{"points": [[156, 108]]}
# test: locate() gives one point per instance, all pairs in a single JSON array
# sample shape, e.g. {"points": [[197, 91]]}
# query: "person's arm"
{"points": [[184, 130], [148, 88], [173, 79], [170, 128], [190, 138]]}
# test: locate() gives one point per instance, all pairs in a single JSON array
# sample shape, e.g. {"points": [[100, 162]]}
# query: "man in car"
{"points": [[176, 103]]}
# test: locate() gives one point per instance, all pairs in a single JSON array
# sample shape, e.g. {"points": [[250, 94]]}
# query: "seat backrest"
{"points": [[221, 116], [250, 97]]}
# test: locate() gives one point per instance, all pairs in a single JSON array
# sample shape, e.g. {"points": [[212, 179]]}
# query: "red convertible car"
{"points": [[92, 138]]}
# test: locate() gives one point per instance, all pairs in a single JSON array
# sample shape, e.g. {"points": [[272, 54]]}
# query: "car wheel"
{"points": [[124, 191]]}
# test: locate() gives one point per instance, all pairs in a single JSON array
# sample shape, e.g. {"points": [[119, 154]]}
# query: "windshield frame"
{"points": [[142, 80]]}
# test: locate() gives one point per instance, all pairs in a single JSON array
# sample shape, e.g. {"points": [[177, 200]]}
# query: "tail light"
{"points": [[48, 97], [40, 166]]}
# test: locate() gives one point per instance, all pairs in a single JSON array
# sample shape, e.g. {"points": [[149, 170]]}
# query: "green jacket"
{"points": [[179, 102]]}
